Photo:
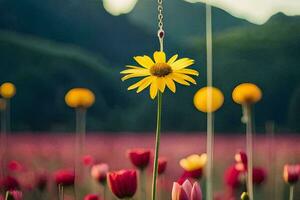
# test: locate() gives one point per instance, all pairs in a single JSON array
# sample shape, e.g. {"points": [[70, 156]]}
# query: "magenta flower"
{"points": [[9, 183], [123, 183], [140, 158], [64, 177], [291, 173], [99, 172], [186, 191], [91, 197]]}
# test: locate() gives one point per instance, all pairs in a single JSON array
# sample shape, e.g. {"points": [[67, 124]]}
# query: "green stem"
{"points": [[143, 184], [249, 146], [291, 192], [157, 141], [6, 195], [79, 146]]}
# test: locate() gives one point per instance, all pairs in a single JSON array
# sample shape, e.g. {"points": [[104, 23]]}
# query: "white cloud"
{"points": [[255, 11], [117, 7]]}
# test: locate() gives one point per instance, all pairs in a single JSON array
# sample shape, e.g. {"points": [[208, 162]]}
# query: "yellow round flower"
{"points": [[8, 90], [80, 98], [160, 73], [246, 93], [200, 99], [193, 162]]}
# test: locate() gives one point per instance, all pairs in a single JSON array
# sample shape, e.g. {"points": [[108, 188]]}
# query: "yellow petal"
{"points": [[135, 71], [144, 61], [153, 89], [170, 83], [159, 57], [185, 77], [161, 84], [133, 67], [179, 79], [182, 63], [145, 84], [137, 84], [128, 76], [188, 71], [172, 59]]}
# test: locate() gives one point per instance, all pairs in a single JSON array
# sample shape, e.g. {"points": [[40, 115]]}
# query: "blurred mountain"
{"points": [[82, 23], [182, 19], [48, 47]]}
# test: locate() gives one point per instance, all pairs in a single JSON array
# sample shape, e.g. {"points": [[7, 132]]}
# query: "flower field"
{"points": [[44, 153]]}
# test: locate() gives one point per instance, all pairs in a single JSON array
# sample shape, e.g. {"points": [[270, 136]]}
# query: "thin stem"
{"points": [[210, 115], [143, 184], [291, 192], [6, 195], [104, 186], [249, 145], [79, 146], [5, 115], [157, 141]]}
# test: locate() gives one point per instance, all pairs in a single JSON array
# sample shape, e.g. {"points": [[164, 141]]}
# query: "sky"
{"points": [[255, 11]]}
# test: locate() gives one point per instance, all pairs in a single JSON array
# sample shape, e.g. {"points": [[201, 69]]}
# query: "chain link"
{"points": [[160, 17]]}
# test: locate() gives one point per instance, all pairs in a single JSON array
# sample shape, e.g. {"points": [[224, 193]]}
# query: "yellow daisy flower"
{"points": [[160, 73]]}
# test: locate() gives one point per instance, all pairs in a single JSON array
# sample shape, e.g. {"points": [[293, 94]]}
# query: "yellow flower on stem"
{"points": [[7, 90], [80, 98], [160, 73], [201, 100], [246, 93], [193, 162]]}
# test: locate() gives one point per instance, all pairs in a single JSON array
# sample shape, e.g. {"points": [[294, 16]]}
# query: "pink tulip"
{"points": [[186, 191], [99, 171]]}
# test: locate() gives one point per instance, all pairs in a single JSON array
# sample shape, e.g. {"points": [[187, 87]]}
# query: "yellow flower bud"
{"points": [[7, 90], [193, 162], [80, 98], [200, 99], [246, 93]]}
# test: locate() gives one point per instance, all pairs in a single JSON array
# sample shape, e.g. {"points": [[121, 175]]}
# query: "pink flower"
{"points": [[186, 191], [291, 173], [99, 172], [91, 197], [88, 160], [15, 166], [195, 174], [232, 177], [140, 158], [123, 183], [64, 177], [259, 175], [162, 165], [9, 183], [15, 195], [241, 161]]}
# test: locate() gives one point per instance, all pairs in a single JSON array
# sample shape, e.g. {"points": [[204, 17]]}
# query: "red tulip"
{"points": [[241, 161], [232, 177], [162, 165], [259, 175], [88, 160], [99, 171], [9, 183], [123, 183], [291, 173], [15, 166], [140, 158], [186, 191], [91, 197], [195, 174], [64, 177]]}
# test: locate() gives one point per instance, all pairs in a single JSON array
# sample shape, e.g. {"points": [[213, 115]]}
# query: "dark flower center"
{"points": [[160, 69]]}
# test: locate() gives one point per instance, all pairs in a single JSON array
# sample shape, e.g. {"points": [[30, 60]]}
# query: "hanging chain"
{"points": [[160, 17]]}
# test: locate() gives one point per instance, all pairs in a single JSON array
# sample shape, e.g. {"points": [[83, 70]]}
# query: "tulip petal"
{"points": [[175, 191], [196, 193], [187, 186]]}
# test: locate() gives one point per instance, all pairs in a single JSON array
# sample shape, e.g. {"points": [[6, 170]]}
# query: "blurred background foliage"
{"points": [[48, 47]]}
